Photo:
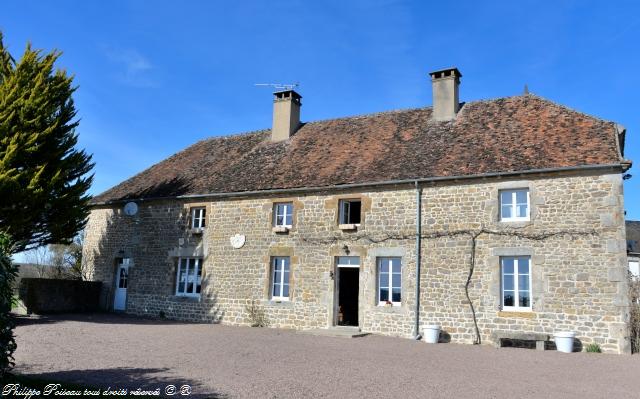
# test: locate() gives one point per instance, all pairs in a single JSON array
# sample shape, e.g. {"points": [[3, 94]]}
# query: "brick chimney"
{"points": [[445, 93], [286, 114]]}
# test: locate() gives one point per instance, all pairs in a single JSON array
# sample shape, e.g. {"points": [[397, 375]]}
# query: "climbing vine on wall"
{"points": [[472, 234]]}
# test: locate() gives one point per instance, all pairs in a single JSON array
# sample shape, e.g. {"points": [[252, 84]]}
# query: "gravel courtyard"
{"points": [[218, 361]]}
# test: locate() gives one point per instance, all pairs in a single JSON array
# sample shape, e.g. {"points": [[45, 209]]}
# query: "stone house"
{"points": [[374, 221]]}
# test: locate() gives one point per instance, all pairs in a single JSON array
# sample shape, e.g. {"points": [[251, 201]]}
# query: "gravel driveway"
{"points": [[110, 350]]}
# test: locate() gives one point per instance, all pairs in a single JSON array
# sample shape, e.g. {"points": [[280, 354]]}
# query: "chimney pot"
{"points": [[286, 114], [446, 102]]}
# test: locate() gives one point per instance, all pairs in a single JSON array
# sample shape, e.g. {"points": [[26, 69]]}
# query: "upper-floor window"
{"points": [[198, 217], [189, 277], [514, 205], [283, 214], [280, 270], [350, 211], [516, 282], [389, 281]]}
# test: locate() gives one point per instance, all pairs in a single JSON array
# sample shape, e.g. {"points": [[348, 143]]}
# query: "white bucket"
{"points": [[431, 334], [564, 341]]}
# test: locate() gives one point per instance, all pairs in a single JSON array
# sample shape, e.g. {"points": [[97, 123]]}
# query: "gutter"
{"points": [[623, 165], [416, 327]]}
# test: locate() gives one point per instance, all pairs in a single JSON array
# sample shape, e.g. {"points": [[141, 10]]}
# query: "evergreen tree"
{"points": [[43, 178], [8, 273]]}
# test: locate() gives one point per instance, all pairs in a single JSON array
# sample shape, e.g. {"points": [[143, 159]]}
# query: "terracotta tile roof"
{"points": [[633, 236], [509, 134]]}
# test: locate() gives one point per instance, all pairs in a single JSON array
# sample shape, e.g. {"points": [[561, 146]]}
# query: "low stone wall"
{"points": [[41, 295]]}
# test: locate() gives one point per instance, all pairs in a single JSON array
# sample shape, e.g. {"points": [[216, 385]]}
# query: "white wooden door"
{"points": [[122, 280]]}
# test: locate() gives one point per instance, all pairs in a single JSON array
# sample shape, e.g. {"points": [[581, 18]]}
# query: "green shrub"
{"points": [[8, 274], [593, 348]]}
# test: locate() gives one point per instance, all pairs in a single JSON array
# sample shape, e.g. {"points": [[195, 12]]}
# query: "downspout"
{"points": [[416, 327]]}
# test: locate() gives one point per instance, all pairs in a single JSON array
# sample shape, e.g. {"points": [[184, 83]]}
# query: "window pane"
{"points": [[288, 220], [286, 276], [396, 279], [508, 282], [276, 289], [521, 197], [384, 280], [524, 299], [523, 283], [384, 265], [277, 278], [182, 279], [279, 220], [395, 295], [349, 260], [285, 290], [191, 277], [384, 294], [522, 211], [508, 298], [505, 197], [344, 212], [523, 265], [506, 212], [507, 265], [285, 262]]}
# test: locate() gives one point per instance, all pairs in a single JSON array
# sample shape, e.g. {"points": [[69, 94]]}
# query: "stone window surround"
{"points": [[333, 203], [174, 257], [372, 258], [493, 204], [269, 208], [191, 205], [200, 264], [536, 279], [294, 260]]}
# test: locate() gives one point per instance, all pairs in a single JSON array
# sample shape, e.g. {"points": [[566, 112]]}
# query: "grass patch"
{"points": [[593, 348]]}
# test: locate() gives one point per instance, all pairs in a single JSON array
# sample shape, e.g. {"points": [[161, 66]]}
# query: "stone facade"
{"points": [[578, 282]]}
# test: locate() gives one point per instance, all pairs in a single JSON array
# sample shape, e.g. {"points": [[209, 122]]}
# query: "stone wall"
{"points": [[577, 283]]}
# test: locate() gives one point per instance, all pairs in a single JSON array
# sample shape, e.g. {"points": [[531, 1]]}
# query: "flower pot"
{"points": [[431, 334], [564, 341]]}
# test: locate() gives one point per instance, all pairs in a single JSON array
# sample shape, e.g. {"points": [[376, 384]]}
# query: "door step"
{"points": [[338, 331]]}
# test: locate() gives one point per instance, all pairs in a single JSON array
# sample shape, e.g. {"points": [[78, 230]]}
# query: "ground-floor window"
{"points": [[280, 270], [389, 281], [516, 282], [189, 277]]}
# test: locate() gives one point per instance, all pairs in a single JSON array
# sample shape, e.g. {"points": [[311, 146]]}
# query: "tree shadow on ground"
{"points": [[146, 379], [102, 318]]}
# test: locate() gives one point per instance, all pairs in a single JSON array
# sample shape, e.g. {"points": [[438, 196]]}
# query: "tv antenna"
{"points": [[279, 86]]}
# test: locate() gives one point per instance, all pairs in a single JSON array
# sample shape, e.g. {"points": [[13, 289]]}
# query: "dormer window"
{"points": [[350, 212], [514, 205], [198, 217]]}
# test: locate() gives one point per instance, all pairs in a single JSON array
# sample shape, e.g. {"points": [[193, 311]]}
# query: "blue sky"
{"points": [[155, 77]]}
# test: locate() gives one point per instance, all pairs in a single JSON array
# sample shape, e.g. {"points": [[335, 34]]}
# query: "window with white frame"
{"points": [[514, 205], [350, 211], [389, 281], [189, 277], [283, 214], [280, 270], [198, 217], [516, 283]]}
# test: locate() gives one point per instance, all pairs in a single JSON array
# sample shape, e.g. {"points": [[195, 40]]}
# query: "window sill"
{"points": [[523, 314], [396, 308], [348, 226], [278, 302], [281, 229], [196, 230]]}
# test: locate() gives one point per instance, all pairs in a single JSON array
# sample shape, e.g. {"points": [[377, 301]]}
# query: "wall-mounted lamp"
{"points": [[346, 250]]}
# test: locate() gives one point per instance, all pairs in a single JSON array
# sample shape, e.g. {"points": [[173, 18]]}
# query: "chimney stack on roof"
{"points": [[445, 93], [286, 114]]}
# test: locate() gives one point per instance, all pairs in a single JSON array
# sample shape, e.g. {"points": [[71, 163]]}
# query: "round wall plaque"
{"points": [[237, 241]]}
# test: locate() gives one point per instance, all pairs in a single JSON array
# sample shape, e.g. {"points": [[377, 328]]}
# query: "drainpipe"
{"points": [[416, 327]]}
